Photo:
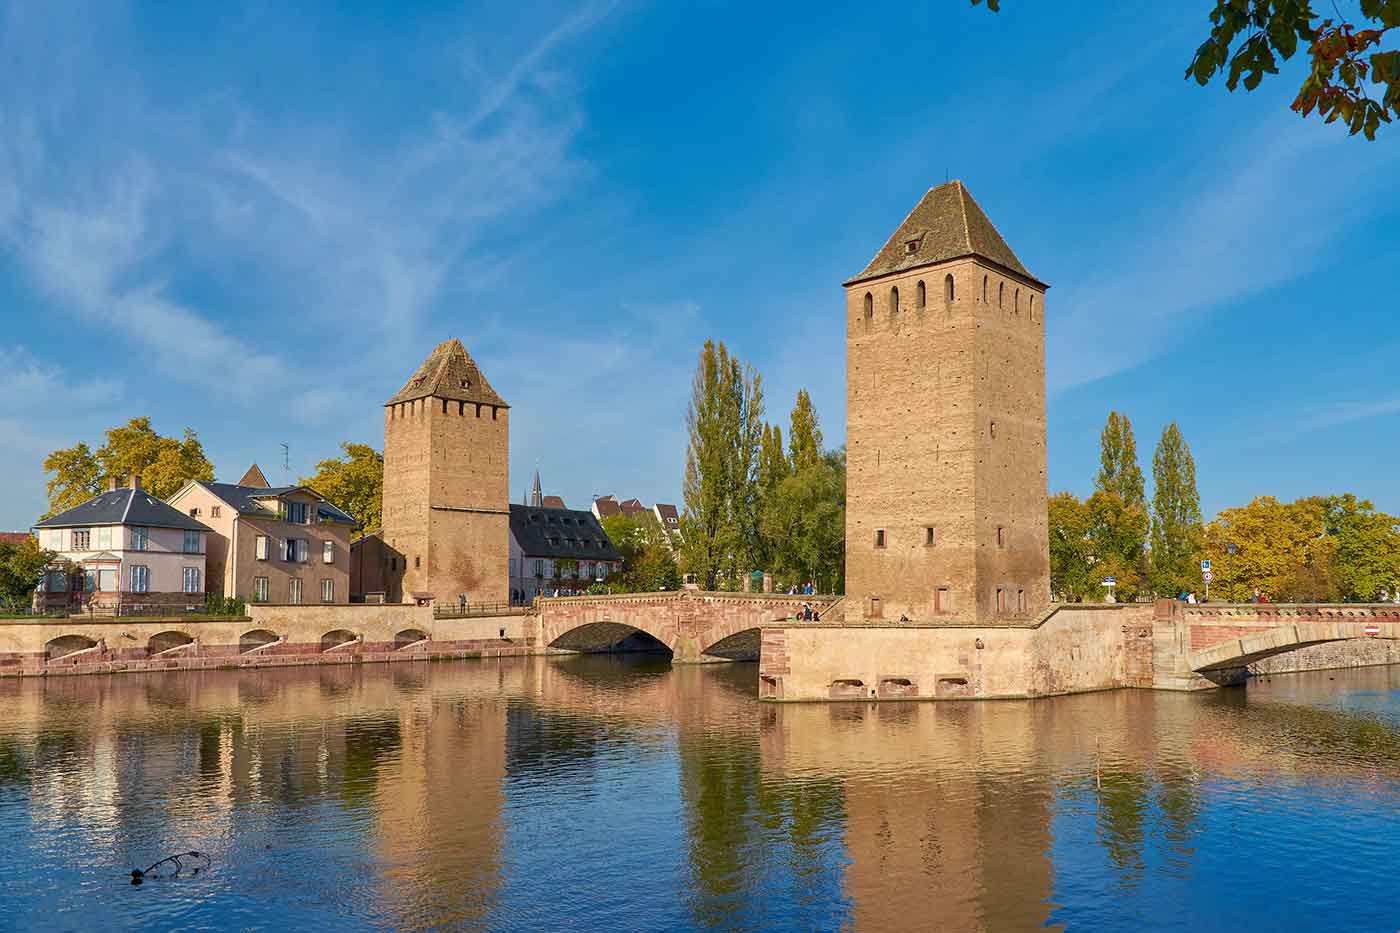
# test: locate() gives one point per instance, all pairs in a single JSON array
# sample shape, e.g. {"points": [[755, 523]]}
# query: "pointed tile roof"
{"points": [[254, 477], [449, 373], [946, 224]]}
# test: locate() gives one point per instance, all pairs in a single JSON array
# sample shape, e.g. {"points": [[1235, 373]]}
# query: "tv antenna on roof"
{"points": [[286, 464]]}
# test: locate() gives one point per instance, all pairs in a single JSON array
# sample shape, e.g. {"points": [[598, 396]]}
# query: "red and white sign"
{"points": [[1372, 630]]}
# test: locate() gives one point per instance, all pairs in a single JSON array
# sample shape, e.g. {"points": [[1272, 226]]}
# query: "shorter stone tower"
{"points": [[945, 363], [446, 478]]}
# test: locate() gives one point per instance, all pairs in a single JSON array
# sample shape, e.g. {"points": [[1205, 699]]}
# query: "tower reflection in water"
{"points": [[627, 794]]}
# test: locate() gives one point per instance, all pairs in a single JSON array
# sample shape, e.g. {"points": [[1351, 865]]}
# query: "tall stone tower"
{"points": [[446, 473], [945, 355]]}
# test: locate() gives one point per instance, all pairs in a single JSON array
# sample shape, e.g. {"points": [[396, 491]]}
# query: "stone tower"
{"points": [[446, 473], [945, 394]]}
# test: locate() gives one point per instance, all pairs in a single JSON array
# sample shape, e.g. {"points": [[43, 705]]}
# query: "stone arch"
{"points": [[64, 645], [741, 645], [1001, 295], [165, 641], [984, 289], [597, 636], [920, 296], [257, 638], [338, 638], [948, 293], [894, 301], [409, 636], [869, 309], [1241, 652]]}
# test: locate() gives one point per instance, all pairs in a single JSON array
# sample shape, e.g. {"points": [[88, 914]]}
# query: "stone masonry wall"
{"points": [[946, 431]]}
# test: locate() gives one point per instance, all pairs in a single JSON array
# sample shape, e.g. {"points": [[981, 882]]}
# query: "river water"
{"points": [[619, 793]]}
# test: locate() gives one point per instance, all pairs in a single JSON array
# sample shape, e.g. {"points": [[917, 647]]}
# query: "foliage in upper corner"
{"points": [[135, 448], [1249, 37]]}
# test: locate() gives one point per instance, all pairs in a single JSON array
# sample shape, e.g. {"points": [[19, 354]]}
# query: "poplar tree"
{"points": [[804, 434], [1119, 472], [725, 422], [1176, 515], [1118, 509]]}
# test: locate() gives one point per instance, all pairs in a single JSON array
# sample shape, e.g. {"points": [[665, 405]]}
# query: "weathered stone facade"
{"points": [[946, 496], [446, 478]]}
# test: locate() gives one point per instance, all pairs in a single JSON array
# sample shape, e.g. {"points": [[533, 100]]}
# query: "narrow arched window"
{"points": [[1017, 301], [948, 287], [1001, 295], [984, 289], [869, 309], [1032, 308], [920, 296], [894, 302]]}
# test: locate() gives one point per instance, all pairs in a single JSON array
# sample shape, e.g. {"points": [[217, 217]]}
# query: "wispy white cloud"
{"points": [[28, 384], [1220, 233], [1346, 412]]}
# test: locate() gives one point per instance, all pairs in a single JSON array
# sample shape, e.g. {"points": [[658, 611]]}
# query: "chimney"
{"points": [[111, 484], [135, 482]]}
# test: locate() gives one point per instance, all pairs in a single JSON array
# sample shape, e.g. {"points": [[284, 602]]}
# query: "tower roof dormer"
{"points": [[946, 224], [449, 373]]}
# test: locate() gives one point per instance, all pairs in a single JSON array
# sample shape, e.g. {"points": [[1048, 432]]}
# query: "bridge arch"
{"points": [[257, 638], [338, 638], [164, 641], [605, 635], [56, 648], [409, 636], [1241, 652]]}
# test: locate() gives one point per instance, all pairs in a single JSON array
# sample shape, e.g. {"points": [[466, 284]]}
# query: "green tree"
{"points": [[725, 420], [1119, 472], [1249, 37], [773, 468], [804, 433], [1071, 549], [1118, 508], [76, 477], [806, 521], [1366, 561], [354, 482], [163, 463], [1176, 515], [21, 566], [1281, 548], [647, 562]]}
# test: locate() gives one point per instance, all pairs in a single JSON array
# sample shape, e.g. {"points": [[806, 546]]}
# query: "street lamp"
{"points": [[1230, 550]]}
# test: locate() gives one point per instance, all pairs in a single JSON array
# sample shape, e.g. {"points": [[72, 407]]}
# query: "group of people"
{"points": [[808, 613], [807, 589], [1189, 597]]}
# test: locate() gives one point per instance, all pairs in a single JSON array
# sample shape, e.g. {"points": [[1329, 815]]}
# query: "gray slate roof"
{"points": [[543, 532], [449, 373], [124, 507], [946, 224], [245, 499]]}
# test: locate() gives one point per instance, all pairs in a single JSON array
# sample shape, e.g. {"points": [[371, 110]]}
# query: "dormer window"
{"points": [[466, 384], [911, 247]]}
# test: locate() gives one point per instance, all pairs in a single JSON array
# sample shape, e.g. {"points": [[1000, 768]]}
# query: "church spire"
{"points": [[536, 493]]}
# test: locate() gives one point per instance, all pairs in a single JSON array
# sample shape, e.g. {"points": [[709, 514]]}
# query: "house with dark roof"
{"points": [[557, 550], [272, 544], [123, 549], [670, 519]]}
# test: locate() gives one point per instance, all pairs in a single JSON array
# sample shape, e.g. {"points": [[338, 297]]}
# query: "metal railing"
{"points": [[472, 610]]}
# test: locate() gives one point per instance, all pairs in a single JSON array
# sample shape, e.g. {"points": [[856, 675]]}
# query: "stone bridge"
{"points": [[1219, 643], [694, 625]]}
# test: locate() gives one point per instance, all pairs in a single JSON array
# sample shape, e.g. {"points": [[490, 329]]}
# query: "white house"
{"points": [[123, 549]]}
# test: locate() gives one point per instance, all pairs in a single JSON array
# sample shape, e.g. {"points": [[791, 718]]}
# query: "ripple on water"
{"points": [[615, 793]]}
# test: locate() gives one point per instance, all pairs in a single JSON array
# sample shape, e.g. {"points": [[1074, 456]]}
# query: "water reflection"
{"points": [[621, 793]]}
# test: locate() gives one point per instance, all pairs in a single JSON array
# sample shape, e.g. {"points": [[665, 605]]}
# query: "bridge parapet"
{"points": [[688, 622]]}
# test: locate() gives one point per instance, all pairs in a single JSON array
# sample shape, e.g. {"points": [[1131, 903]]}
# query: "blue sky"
{"points": [[256, 222]]}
